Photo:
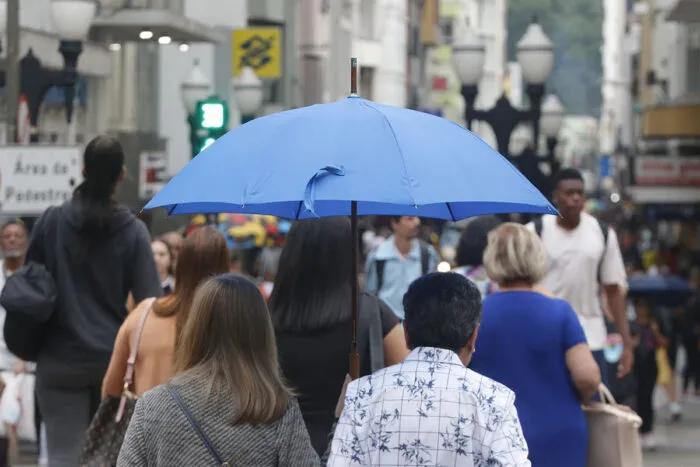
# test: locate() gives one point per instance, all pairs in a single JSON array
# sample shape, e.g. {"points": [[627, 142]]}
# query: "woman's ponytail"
{"points": [[103, 165]]}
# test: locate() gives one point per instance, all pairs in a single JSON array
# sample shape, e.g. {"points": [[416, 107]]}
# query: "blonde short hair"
{"points": [[515, 254]]}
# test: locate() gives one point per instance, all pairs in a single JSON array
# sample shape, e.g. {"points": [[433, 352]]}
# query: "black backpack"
{"points": [[604, 229], [29, 298], [424, 264]]}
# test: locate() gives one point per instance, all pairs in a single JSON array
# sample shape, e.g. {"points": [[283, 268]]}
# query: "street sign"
{"points": [[33, 178], [153, 173], [258, 48]]}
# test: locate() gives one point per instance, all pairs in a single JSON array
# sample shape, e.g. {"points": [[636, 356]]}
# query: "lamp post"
{"points": [[195, 88], [536, 58], [551, 121], [72, 20], [247, 93]]}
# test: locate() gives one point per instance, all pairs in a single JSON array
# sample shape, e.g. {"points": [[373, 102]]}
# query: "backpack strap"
{"points": [[538, 226], [424, 264], [379, 269], [376, 340], [370, 340], [424, 258], [605, 230]]}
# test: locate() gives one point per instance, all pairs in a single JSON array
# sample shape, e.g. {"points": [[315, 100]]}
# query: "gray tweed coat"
{"points": [[159, 434]]}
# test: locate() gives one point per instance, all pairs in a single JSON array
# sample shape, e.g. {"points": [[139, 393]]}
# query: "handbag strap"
{"points": [[131, 362], [178, 400], [606, 396]]}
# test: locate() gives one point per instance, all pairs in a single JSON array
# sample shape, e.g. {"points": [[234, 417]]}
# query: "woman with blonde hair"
{"points": [[535, 345], [228, 404]]}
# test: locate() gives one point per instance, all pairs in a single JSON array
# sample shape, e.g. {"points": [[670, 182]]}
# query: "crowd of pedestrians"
{"points": [[228, 370]]}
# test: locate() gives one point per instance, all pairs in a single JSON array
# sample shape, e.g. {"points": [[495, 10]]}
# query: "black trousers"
{"points": [[691, 372], [646, 372], [4, 452]]}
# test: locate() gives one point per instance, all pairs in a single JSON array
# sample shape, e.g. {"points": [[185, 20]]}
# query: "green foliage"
{"points": [[575, 28]]}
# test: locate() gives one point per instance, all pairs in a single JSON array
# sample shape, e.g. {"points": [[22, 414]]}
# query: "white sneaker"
{"points": [[675, 409], [649, 442]]}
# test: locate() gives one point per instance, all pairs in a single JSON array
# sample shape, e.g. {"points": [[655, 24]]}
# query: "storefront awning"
{"points": [[126, 25], [671, 121], [664, 195], [685, 11]]}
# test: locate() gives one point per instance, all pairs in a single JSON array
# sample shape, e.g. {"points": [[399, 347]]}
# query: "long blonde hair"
{"points": [[229, 342]]}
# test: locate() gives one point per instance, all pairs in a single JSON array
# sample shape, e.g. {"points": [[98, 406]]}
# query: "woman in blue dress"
{"points": [[535, 345]]}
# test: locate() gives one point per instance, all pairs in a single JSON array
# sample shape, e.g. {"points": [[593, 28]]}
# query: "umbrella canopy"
{"points": [[665, 290], [313, 161]]}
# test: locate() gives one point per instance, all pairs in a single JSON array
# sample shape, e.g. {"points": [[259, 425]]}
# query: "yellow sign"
{"points": [[258, 48]]}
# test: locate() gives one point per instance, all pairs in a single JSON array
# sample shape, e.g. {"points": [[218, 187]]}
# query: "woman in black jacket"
{"points": [[97, 252]]}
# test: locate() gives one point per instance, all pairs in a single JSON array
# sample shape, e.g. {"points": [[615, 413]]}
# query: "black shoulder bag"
{"points": [[29, 298]]}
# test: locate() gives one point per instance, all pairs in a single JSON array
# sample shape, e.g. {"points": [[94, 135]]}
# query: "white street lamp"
{"points": [[248, 92], [196, 87], [552, 118], [535, 54], [72, 18], [469, 55]]}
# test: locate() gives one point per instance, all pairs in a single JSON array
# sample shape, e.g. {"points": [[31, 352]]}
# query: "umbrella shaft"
{"points": [[354, 357]]}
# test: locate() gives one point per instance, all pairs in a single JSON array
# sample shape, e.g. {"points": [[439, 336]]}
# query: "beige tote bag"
{"points": [[613, 437]]}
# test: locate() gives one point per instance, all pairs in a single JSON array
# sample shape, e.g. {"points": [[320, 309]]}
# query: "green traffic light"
{"points": [[211, 114]]}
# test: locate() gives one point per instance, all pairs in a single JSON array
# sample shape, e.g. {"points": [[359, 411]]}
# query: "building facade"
{"points": [[488, 18], [374, 31], [666, 168]]}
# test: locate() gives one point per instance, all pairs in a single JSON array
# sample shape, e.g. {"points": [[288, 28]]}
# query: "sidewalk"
{"points": [[679, 443]]}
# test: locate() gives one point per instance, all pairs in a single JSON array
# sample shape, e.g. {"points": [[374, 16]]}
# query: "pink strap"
{"points": [[131, 362]]}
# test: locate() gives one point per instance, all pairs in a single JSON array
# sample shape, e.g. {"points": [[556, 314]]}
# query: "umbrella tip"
{"points": [[353, 76]]}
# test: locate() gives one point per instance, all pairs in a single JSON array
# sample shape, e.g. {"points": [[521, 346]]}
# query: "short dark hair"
{"points": [[568, 173], [442, 310], [472, 243]]}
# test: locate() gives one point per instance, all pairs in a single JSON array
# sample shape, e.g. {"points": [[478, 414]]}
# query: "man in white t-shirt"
{"points": [[581, 261]]}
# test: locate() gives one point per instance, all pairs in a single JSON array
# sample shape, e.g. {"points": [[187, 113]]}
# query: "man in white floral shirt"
{"points": [[431, 410]]}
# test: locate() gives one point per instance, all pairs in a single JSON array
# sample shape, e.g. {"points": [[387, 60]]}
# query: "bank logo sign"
{"points": [[259, 49]]}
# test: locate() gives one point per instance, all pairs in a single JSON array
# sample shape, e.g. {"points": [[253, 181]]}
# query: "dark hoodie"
{"points": [[92, 288]]}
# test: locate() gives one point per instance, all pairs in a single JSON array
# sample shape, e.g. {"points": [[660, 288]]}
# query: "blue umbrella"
{"points": [[351, 157], [314, 161], [665, 290]]}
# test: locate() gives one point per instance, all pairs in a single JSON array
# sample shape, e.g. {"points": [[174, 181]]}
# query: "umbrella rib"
{"points": [[398, 146], [301, 203], [170, 211], [449, 208]]}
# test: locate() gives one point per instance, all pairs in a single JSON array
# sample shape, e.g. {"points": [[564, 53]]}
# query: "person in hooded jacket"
{"points": [[97, 252]]}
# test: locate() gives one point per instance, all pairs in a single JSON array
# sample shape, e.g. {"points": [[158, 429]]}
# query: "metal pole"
{"points": [[12, 73], [291, 50], [646, 54]]}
